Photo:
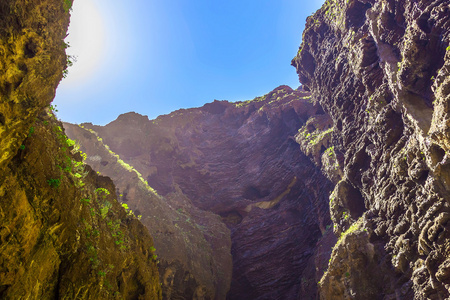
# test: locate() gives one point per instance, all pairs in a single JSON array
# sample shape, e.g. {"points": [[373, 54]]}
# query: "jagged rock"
{"points": [[239, 161], [380, 70], [62, 233]]}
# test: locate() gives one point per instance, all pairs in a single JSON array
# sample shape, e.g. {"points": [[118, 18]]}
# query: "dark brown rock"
{"points": [[192, 245], [380, 71]]}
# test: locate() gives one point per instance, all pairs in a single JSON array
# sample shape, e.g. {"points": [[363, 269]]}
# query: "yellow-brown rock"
{"points": [[63, 235]]}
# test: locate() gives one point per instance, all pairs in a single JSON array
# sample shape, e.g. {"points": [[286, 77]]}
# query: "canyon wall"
{"points": [[63, 235], [238, 161], [380, 70], [192, 245], [244, 200]]}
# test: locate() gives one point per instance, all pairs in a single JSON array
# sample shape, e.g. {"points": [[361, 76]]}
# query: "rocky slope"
{"points": [[380, 70], [239, 161], [193, 246], [63, 235]]}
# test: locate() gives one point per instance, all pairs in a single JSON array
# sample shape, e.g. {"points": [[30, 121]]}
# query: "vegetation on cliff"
{"points": [[193, 246], [63, 234]]}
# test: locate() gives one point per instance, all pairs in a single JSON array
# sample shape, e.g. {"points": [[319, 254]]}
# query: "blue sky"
{"points": [[154, 57]]}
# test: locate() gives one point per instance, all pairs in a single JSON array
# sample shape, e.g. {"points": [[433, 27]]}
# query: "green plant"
{"points": [[53, 108], [102, 190], [345, 215], [54, 183], [93, 255], [104, 209], [22, 147], [30, 131], [70, 60], [67, 5], [355, 226]]}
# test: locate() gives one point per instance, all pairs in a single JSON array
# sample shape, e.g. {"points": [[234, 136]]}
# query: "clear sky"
{"points": [[156, 56]]}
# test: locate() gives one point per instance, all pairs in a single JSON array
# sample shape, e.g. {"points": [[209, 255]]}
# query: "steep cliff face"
{"points": [[32, 59], [239, 161], [193, 246], [62, 233], [380, 70]]}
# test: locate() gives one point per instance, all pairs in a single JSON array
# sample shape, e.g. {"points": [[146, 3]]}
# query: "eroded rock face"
{"points": [[63, 235], [32, 59], [238, 161], [192, 245], [380, 70]]}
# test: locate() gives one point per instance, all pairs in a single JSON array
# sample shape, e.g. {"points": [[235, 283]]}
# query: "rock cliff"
{"points": [[63, 235], [193, 246], [238, 161], [245, 200], [380, 70]]}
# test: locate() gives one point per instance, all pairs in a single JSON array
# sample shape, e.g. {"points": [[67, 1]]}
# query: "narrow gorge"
{"points": [[338, 189], [233, 164]]}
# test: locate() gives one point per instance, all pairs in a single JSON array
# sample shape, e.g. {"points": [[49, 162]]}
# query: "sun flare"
{"points": [[86, 38]]}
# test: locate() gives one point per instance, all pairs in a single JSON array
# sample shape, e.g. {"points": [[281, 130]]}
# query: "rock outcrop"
{"points": [[62, 233], [381, 71], [239, 161]]}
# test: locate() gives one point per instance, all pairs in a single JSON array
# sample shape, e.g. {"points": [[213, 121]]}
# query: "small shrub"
{"points": [[102, 190], [104, 209], [31, 131], [67, 5], [54, 183]]}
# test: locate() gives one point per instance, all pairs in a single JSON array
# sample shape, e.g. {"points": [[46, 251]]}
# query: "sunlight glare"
{"points": [[87, 40]]}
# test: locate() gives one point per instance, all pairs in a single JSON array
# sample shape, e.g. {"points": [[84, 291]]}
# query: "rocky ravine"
{"points": [[63, 235], [381, 71], [239, 161]]}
